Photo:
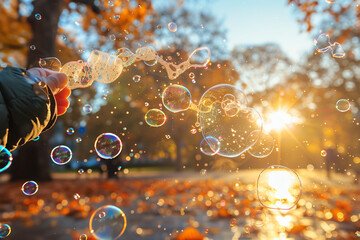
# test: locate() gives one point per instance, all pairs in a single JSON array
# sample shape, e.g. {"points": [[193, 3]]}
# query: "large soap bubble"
{"points": [[5, 230], [155, 117], [176, 98], [107, 223], [5, 159], [108, 145], [278, 187], [30, 188], [224, 115]]}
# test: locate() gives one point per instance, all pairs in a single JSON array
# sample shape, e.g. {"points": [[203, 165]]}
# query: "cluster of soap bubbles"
{"points": [[228, 125], [108, 222], [323, 44], [278, 187], [106, 68]]}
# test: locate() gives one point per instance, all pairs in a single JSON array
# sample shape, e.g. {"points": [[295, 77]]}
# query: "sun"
{"points": [[279, 120]]}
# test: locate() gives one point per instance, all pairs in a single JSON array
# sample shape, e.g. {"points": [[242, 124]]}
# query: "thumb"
{"points": [[56, 82]]}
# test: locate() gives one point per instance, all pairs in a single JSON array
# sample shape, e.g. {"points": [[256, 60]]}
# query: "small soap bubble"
{"points": [[108, 145], [323, 153], [210, 146], [146, 104], [337, 50], [191, 75], [38, 16], [247, 228], [343, 105], [32, 47], [357, 233], [61, 155], [81, 171], [5, 159], [79, 139], [203, 171], [108, 222], [70, 131], [36, 139], [278, 187], [112, 37], [30, 188], [136, 78], [331, 1], [258, 218], [200, 57], [87, 108], [111, 3], [322, 43], [76, 196], [172, 27], [117, 17], [176, 98], [155, 117], [83, 237], [193, 81], [262, 144], [233, 222], [193, 131], [5, 230]]}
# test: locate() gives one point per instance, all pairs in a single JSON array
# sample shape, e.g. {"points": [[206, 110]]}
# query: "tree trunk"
{"points": [[33, 160]]}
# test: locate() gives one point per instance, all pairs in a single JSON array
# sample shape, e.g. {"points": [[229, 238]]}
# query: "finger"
{"points": [[65, 93], [62, 102], [41, 72], [61, 110], [56, 82]]}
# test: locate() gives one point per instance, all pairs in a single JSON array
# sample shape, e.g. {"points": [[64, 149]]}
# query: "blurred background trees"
{"points": [[306, 90]]}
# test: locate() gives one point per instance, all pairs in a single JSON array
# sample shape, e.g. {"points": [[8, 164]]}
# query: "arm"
{"points": [[28, 108]]}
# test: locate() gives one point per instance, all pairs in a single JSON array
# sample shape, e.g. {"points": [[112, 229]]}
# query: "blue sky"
{"points": [[252, 22], [262, 21]]}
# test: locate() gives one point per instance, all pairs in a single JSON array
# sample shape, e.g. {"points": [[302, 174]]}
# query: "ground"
{"points": [[158, 206]]}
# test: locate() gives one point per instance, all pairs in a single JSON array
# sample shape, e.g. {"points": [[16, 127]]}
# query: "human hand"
{"points": [[57, 83]]}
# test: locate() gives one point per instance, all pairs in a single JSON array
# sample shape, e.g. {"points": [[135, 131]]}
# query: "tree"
{"points": [[96, 18]]}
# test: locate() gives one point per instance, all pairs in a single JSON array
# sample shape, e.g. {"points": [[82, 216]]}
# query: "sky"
{"points": [[263, 21], [252, 22]]}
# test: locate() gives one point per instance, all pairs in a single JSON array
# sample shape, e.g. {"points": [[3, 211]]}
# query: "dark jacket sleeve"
{"points": [[26, 108]]}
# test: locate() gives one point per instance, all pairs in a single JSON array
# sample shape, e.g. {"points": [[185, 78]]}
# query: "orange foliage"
{"points": [[190, 233]]}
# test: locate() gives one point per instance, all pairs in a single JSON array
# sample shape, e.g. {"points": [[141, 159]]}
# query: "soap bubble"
{"points": [[191, 75], [247, 228], [200, 57], [337, 51], [230, 122], [343, 105], [38, 16], [172, 27], [210, 146], [76, 196], [36, 139], [30, 188], [136, 78], [323, 153], [87, 108], [81, 171], [111, 4], [258, 218], [83, 237], [5, 159], [70, 131], [176, 98], [155, 117], [111, 226], [79, 139], [32, 47], [5, 230], [331, 1], [51, 63], [150, 55], [278, 187], [108, 145], [262, 144], [112, 37], [322, 43], [61, 155]]}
